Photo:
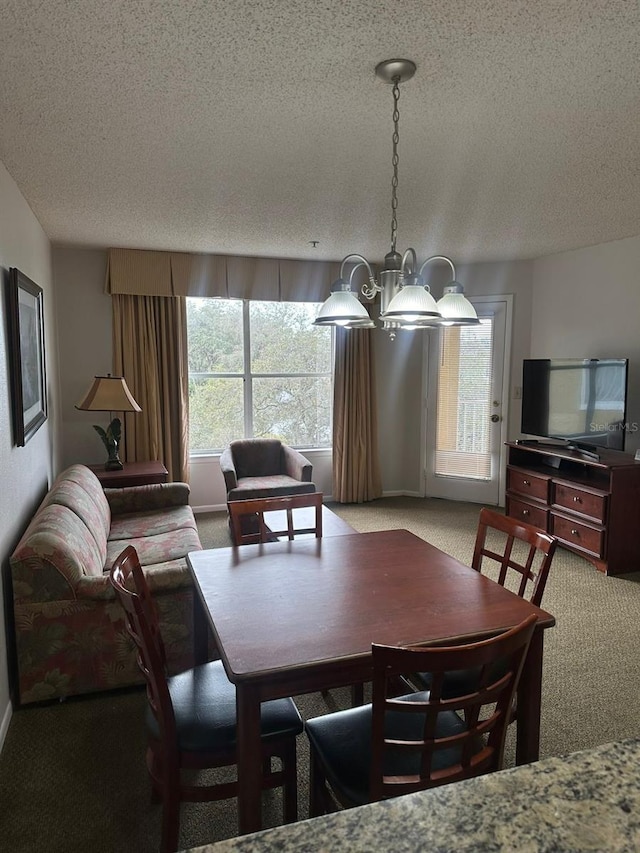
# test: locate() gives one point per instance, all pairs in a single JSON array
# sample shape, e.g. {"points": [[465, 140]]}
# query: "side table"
{"points": [[133, 474]]}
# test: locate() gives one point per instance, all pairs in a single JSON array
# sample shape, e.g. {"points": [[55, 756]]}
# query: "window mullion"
{"points": [[248, 385]]}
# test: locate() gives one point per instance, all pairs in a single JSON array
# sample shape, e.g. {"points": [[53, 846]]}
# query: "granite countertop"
{"points": [[586, 801]]}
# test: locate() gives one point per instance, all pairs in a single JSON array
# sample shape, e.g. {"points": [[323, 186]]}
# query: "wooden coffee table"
{"points": [[296, 617]]}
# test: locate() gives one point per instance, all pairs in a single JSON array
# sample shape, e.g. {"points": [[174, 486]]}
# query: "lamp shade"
{"points": [[343, 308], [455, 308], [108, 394], [412, 303]]}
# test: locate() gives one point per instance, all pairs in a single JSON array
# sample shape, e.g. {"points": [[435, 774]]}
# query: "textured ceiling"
{"points": [[256, 126]]}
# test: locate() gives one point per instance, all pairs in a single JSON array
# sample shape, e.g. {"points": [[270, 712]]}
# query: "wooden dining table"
{"points": [[299, 616]]}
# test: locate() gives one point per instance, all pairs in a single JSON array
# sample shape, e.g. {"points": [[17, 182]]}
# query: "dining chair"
{"points": [[530, 568], [523, 554], [400, 744], [276, 526], [191, 716]]}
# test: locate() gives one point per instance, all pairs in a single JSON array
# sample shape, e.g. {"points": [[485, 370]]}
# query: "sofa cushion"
{"points": [[75, 497], [145, 498], [141, 524], [85, 477], [268, 487], [156, 549]]}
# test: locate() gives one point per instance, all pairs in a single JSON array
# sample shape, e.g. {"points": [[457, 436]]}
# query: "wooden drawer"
{"points": [[580, 535], [577, 500], [536, 515], [528, 485]]}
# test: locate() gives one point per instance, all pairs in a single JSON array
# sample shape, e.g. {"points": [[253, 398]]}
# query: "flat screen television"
{"points": [[582, 401]]}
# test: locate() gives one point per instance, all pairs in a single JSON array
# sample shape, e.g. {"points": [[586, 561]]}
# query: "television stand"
{"points": [[587, 454], [590, 501]]}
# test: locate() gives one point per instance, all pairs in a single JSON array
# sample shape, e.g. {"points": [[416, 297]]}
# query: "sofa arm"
{"points": [[142, 498], [160, 580], [296, 465], [228, 469]]}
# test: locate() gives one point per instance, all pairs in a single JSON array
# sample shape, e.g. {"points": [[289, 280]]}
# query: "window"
{"points": [[257, 370]]}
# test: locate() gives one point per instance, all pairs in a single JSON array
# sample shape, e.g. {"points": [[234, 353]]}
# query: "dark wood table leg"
{"points": [[357, 694], [249, 760], [529, 703], [200, 631]]}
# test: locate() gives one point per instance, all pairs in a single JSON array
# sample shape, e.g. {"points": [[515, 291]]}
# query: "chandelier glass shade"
{"points": [[405, 300]]}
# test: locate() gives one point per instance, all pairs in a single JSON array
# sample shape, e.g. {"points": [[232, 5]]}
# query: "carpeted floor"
{"points": [[72, 774]]}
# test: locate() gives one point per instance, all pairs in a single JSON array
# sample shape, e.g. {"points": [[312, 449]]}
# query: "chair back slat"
{"points": [[143, 626], [445, 755], [538, 549], [269, 527]]}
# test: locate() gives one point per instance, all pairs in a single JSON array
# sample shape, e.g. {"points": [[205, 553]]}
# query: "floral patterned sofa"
{"points": [[70, 632]]}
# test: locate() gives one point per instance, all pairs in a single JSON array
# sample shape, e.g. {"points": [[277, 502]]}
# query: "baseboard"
{"points": [[4, 725], [211, 508], [402, 494]]}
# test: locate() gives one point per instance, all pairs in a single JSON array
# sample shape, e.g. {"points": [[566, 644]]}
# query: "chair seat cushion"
{"points": [[342, 742], [204, 705], [459, 682], [269, 487]]}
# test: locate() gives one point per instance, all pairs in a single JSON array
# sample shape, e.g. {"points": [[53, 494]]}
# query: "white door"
{"points": [[466, 406]]}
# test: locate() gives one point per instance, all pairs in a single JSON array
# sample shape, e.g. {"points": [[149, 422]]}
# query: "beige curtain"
{"points": [[356, 468], [150, 351]]}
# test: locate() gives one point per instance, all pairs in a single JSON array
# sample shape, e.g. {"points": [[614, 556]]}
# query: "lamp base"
{"points": [[113, 464]]}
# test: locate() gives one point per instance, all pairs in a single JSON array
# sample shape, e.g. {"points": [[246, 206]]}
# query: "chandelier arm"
{"points": [[373, 288], [370, 291], [361, 259], [410, 253], [440, 258], [353, 272]]}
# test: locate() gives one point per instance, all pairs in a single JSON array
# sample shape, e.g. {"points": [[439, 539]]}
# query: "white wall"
{"points": [[26, 471], [586, 304], [84, 318]]}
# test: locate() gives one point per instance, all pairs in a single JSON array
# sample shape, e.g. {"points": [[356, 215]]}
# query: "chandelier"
{"points": [[405, 299]]}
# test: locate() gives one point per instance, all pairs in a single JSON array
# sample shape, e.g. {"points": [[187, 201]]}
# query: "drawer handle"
{"points": [[577, 499], [575, 532], [526, 482], [526, 512]]}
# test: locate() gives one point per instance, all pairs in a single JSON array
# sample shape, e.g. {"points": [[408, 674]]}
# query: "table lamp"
{"points": [[109, 394]]}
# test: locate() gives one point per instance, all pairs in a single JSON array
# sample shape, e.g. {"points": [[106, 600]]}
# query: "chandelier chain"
{"points": [[395, 161]]}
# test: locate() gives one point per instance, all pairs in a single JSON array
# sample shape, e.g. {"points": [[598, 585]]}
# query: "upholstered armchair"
{"points": [[264, 468]]}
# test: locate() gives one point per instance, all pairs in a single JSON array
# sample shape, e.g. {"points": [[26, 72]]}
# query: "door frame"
{"points": [[477, 302]]}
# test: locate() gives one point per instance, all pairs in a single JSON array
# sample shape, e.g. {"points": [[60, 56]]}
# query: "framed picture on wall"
{"points": [[27, 359]]}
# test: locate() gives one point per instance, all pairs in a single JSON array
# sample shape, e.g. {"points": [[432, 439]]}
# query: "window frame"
{"points": [[248, 377]]}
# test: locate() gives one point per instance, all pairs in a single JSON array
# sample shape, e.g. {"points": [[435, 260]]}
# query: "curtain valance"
{"points": [[138, 272]]}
